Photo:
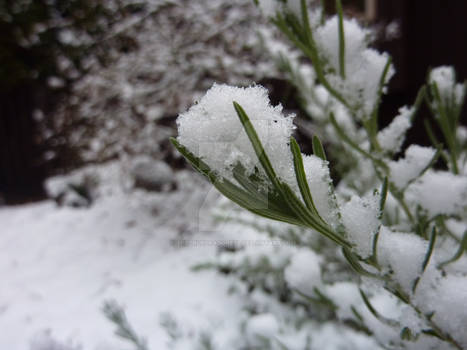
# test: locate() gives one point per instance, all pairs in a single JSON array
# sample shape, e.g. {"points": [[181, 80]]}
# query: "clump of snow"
{"points": [[447, 298], [45, 341], [295, 7], [391, 137], [402, 254], [445, 79], [461, 134], [363, 66], [304, 271], [320, 184], [439, 192], [356, 40], [335, 337], [262, 325], [271, 7], [344, 295], [387, 306], [268, 7], [360, 217], [212, 130], [151, 174], [404, 170], [82, 187], [456, 227], [322, 95]]}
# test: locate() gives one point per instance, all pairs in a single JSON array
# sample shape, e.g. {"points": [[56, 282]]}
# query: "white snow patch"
{"points": [[402, 254], [404, 170], [60, 264], [363, 66], [304, 272], [360, 219], [439, 192], [392, 136], [445, 79], [320, 184], [345, 295], [263, 325]]}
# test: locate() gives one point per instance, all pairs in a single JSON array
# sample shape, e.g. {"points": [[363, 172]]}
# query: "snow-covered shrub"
{"points": [[175, 50], [45, 341], [397, 221], [82, 187]]}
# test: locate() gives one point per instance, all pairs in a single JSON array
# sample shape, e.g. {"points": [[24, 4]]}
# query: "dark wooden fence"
{"points": [[21, 169]]}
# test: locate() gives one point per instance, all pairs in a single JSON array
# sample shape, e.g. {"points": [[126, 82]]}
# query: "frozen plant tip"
{"points": [[252, 159]]}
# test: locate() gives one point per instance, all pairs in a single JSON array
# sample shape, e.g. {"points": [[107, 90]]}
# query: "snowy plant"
{"points": [[172, 51], [399, 222]]}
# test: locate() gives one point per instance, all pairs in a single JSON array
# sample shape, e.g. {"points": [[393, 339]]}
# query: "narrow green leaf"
{"points": [[304, 214], [257, 145], [429, 252], [252, 203], [271, 200], [340, 15], [308, 298], [384, 195], [406, 334], [368, 304], [355, 264], [238, 172], [297, 28], [374, 114], [462, 248], [197, 163], [350, 142], [324, 298], [382, 203], [306, 24], [236, 194], [356, 314], [281, 23], [376, 313], [318, 149], [301, 177]]}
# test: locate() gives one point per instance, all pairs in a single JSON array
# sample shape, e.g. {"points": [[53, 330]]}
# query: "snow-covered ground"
{"points": [[58, 265]]}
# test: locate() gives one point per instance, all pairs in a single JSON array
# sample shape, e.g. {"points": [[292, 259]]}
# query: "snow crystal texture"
{"points": [[212, 130]]}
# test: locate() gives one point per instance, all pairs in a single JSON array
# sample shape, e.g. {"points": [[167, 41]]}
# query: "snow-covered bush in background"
{"points": [[394, 219], [175, 50]]}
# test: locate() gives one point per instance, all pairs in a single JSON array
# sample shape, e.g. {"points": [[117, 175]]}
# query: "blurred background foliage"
{"points": [[85, 81]]}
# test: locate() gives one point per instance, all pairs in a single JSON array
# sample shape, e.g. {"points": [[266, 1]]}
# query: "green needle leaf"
{"points": [[341, 39], [375, 313], [462, 248], [236, 194], [318, 149], [384, 195], [355, 264], [429, 252], [257, 146], [301, 177], [309, 219]]}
